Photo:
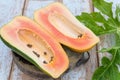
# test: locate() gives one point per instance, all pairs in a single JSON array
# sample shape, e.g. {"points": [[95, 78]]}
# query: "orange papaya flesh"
{"points": [[27, 39], [66, 29]]}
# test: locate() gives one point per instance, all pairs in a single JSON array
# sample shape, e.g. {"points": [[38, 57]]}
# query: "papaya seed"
{"points": [[51, 59], [44, 62], [45, 53], [29, 45], [80, 35], [36, 53]]}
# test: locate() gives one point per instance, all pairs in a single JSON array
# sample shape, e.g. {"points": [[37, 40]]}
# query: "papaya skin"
{"points": [[65, 28], [9, 35]]}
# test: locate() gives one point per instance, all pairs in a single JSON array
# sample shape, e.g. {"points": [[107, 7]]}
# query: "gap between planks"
{"points": [[92, 10], [24, 6], [91, 6], [10, 70]]}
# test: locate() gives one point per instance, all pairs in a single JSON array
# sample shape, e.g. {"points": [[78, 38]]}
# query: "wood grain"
{"points": [[8, 10]]}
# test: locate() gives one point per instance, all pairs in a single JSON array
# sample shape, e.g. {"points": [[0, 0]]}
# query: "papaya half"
{"points": [[66, 29], [33, 43]]}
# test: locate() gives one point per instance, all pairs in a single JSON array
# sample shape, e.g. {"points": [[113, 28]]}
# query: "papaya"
{"points": [[33, 43], [65, 28]]}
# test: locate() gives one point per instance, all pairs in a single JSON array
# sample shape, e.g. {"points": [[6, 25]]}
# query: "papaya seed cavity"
{"points": [[62, 23], [36, 45]]}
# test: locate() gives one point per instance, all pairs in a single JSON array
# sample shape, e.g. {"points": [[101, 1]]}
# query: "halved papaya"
{"points": [[27, 39], [59, 22]]}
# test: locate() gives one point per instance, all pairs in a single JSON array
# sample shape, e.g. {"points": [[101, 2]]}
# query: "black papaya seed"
{"points": [[36, 53], [29, 45], [45, 53], [44, 62], [80, 35]]}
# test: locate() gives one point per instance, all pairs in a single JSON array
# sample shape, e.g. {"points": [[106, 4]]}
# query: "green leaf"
{"points": [[90, 23], [97, 23], [117, 12], [112, 73], [105, 61], [105, 50], [101, 25], [112, 23], [104, 7], [117, 39], [98, 17], [109, 69]]}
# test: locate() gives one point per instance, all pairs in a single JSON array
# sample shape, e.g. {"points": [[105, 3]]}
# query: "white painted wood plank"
{"points": [[105, 42], [77, 6], [18, 75], [34, 5], [8, 10]]}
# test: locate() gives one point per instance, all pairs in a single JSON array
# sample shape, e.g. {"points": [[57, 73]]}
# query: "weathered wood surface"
{"points": [[8, 10], [12, 8]]}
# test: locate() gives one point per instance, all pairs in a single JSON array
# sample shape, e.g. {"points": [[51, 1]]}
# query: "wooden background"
{"points": [[11, 8]]}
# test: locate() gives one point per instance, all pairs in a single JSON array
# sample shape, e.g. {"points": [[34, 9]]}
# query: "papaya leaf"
{"points": [[109, 69], [97, 23], [104, 7], [100, 25]]}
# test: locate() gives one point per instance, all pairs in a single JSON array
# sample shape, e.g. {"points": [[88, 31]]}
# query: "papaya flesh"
{"points": [[33, 43], [66, 29]]}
